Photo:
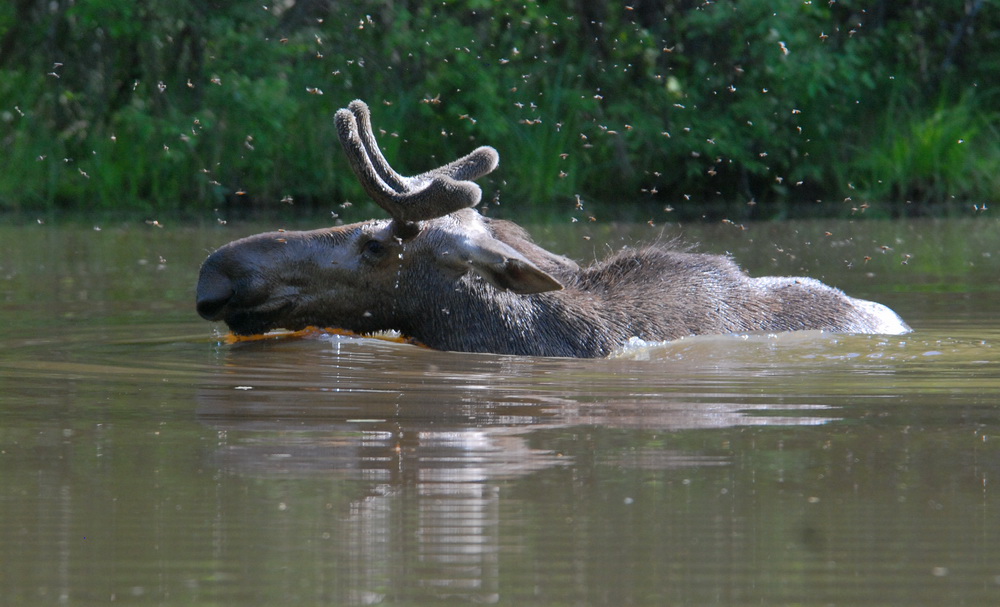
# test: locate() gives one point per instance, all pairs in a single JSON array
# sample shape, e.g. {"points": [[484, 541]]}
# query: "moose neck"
{"points": [[477, 318]]}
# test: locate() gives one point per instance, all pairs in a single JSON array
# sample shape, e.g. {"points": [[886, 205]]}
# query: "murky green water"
{"points": [[143, 462]]}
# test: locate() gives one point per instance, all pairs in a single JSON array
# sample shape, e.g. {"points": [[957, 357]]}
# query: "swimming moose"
{"points": [[452, 279]]}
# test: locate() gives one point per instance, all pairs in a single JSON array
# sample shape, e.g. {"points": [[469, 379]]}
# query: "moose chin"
{"points": [[439, 272]]}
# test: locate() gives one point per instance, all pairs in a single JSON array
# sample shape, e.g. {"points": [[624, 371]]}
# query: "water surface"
{"points": [[145, 461]]}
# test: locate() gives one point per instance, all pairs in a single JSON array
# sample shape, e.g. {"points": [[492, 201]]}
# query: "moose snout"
{"points": [[213, 293]]}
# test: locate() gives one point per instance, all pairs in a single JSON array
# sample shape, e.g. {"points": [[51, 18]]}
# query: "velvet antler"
{"points": [[435, 193]]}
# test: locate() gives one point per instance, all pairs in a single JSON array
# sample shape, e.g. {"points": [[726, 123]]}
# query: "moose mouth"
{"points": [[249, 323], [256, 321]]}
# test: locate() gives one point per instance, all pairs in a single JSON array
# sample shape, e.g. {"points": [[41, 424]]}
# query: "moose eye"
{"points": [[373, 248]]}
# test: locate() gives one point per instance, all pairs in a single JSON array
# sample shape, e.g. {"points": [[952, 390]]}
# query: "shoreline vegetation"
{"points": [[746, 109]]}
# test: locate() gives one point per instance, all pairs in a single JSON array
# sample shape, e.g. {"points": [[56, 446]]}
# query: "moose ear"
{"points": [[517, 275], [504, 267]]}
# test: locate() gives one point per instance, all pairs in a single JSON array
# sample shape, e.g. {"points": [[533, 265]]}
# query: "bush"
{"points": [[171, 105]]}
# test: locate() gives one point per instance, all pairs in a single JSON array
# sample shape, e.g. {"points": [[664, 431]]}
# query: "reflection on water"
{"points": [[145, 461], [440, 462]]}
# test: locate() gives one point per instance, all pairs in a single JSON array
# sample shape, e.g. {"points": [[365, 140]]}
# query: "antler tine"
{"points": [[363, 117], [434, 193], [473, 165], [357, 156]]}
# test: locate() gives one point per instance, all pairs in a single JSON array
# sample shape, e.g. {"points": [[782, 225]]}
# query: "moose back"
{"points": [[443, 274]]}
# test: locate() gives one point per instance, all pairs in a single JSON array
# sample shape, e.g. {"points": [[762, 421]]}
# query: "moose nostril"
{"points": [[212, 298]]}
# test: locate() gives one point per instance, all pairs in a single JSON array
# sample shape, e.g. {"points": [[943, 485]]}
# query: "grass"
{"points": [[932, 158]]}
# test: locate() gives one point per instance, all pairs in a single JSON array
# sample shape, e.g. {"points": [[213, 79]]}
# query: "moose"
{"points": [[450, 278]]}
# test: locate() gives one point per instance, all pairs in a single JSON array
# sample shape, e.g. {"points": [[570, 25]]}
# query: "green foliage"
{"points": [[925, 155], [180, 105]]}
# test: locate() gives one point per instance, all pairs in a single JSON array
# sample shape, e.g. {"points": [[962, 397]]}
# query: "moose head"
{"points": [[441, 273]]}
